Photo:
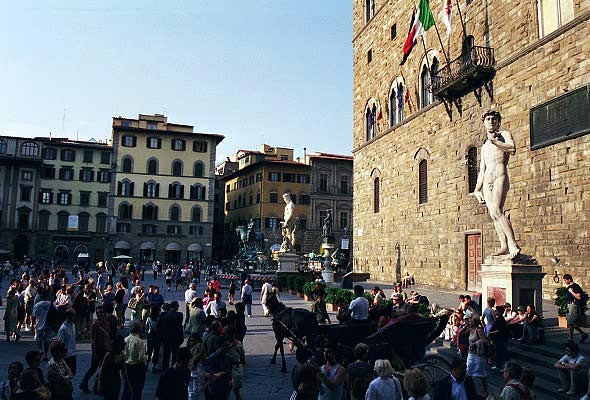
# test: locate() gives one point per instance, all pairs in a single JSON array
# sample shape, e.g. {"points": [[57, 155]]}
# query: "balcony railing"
{"points": [[467, 72]]}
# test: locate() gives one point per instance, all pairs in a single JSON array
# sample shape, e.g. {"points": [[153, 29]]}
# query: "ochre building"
{"points": [[417, 136]]}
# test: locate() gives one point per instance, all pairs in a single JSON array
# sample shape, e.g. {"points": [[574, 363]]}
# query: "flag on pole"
{"points": [[407, 96], [446, 15], [421, 21], [379, 113]]}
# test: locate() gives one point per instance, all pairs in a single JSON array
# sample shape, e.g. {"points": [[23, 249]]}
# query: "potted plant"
{"points": [[308, 291], [282, 283], [332, 295], [299, 283], [291, 284]]}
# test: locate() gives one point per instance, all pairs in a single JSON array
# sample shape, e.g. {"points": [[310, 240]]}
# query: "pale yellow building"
{"points": [[163, 190]]}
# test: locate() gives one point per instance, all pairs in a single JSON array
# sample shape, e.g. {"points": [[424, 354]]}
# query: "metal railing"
{"points": [[476, 59]]}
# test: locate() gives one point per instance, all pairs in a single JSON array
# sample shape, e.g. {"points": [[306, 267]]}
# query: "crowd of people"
{"points": [[60, 311]]}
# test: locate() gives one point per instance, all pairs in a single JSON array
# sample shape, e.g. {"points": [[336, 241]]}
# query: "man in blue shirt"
{"points": [[359, 307]]}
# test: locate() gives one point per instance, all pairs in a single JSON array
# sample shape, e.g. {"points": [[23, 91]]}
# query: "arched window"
{"points": [[83, 219], [177, 168], [423, 182], [127, 165], [198, 169], [426, 96], [176, 191], [150, 211], [152, 166], [29, 149], [151, 189], [471, 159], [126, 188], [44, 220], [62, 220], [370, 121], [174, 213], [198, 192], [125, 211], [396, 103], [196, 214], [369, 10], [376, 195], [101, 223]]}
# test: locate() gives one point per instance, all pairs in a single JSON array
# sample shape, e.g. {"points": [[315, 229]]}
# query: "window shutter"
{"points": [[423, 182], [155, 215], [69, 198], [50, 197], [182, 191], [157, 189], [40, 197], [80, 175], [170, 191], [92, 175], [192, 192], [119, 188], [145, 189], [130, 211], [203, 193], [131, 186], [134, 141], [143, 212], [159, 143]]}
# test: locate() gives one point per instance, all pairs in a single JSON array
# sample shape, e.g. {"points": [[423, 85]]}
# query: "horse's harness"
{"points": [[293, 336]]}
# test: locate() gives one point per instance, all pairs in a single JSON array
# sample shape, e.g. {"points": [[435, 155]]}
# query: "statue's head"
{"points": [[493, 113], [287, 197]]}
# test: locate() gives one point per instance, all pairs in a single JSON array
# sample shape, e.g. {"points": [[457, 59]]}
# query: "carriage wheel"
{"points": [[435, 368]]}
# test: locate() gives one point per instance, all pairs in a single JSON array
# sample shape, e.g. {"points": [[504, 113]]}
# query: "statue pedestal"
{"points": [[508, 281], [288, 262]]}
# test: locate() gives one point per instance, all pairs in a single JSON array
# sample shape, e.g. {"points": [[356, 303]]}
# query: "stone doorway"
{"points": [[473, 258]]}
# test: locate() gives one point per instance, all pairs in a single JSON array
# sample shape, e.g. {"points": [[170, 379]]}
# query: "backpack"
{"points": [[526, 395], [583, 298]]}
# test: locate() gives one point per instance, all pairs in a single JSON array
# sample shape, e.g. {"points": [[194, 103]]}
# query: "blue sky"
{"points": [[276, 72]]}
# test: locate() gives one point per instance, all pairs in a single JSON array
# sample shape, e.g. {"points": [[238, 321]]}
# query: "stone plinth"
{"points": [[288, 262], [517, 284]]}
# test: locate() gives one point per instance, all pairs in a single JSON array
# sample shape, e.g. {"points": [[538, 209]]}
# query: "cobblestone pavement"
{"points": [[262, 380]]}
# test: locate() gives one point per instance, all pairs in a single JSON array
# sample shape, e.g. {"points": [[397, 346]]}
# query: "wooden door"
{"points": [[473, 272]]}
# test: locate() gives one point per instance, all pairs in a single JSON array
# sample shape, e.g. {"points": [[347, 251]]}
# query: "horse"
{"points": [[296, 324]]}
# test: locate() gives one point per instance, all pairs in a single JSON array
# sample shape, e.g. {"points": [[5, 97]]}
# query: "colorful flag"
{"points": [[407, 96], [422, 20], [379, 114], [400, 95], [446, 15]]}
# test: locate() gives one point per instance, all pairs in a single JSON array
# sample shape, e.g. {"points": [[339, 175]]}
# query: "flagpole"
{"points": [[404, 78], [461, 18], [441, 44]]}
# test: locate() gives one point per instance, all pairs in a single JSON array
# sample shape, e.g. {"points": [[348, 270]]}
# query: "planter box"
{"points": [[331, 307], [300, 295], [292, 292], [561, 321], [307, 298]]}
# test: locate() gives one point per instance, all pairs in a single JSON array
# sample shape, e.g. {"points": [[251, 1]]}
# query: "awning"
{"points": [[173, 246], [147, 246], [122, 244], [195, 247]]}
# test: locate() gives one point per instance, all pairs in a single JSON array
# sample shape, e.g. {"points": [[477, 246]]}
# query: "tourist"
{"points": [[576, 308], [488, 315], [416, 384], [119, 303], [67, 334], [456, 385], [241, 327], [11, 314], [231, 292], [477, 358], [171, 332], [189, 295], [214, 307], [359, 373], [499, 336], [219, 368], [531, 326], [309, 384], [198, 381], [197, 318], [358, 310], [332, 376], [135, 362], [385, 385], [264, 293], [516, 324], [247, 297], [168, 276], [43, 331], [238, 359], [100, 342], [29, 388], [514, 389], [8, 386], [174, 382], [59, 375], [572, 370], [154, 339], [113, 365], [29, 297]]}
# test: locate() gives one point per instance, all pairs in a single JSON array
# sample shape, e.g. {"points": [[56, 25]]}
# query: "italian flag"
{"points": [[422, 20]]}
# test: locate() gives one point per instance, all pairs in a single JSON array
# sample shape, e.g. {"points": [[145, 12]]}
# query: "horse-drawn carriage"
{"points": [[403, 341]]}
